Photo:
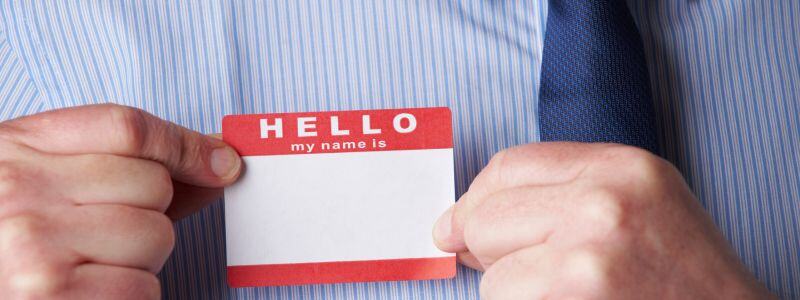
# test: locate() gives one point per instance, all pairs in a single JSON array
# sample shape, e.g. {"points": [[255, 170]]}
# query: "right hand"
{"points": [[88, 195]]}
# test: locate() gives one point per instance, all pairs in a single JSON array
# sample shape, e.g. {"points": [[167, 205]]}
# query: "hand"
{"points": [[83, 196], [590, 221]]}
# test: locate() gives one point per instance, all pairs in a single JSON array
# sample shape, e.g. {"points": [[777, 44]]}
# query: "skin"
{"points": [[88, 196], [590, 221]]}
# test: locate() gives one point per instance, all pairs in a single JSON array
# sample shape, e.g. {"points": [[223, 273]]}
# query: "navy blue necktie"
{"points": [[595, 85]]}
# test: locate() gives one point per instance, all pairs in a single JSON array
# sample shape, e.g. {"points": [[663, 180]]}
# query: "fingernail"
{"points": [[225, 162], [443, 228]]}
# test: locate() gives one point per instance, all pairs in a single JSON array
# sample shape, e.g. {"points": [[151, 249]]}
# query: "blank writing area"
{"points": [[338, 207]]}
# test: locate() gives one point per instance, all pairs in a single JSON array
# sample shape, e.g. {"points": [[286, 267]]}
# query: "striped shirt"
{"points": [[725, 77]]}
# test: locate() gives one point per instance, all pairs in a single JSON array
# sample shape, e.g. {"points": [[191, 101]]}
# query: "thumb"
{"points": [[191, 157], [448, 234]]}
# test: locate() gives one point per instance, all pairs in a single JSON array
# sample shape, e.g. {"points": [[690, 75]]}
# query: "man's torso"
{"points": [[726, 85]]}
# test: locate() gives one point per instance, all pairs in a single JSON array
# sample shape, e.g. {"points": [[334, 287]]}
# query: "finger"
{"points": [[536, 164], [532, 164], [509, 220], [112, 129], [111, 179], [552, 272], [97, 281], [118, 235], [28, 266], [192, 199], [517, 218], [528, 216], [559, 163], [539, 164], [469, 260], [526, 274]]}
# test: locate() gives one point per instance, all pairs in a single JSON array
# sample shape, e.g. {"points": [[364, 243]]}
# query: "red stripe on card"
{"points": [[339, 131], [346, 271]]}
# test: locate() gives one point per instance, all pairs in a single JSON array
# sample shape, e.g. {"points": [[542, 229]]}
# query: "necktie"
{"points": [[595, 85]]}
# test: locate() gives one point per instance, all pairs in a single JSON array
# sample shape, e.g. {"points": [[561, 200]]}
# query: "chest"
{"points": [[180, 59], [194, 62]]}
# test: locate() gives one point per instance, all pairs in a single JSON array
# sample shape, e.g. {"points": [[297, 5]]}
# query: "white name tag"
{"points": [[329, 197]]}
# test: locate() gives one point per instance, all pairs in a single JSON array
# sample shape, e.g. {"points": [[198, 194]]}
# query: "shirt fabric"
{"points": [[725, 78]]}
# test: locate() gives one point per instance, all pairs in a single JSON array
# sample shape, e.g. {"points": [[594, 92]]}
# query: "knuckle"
{"points": [[42, 281], [498, 158], [606, 208], [504, 168], [185, 154], [501, 161], [639, 163], [129, 126], [498, 164], [588, 266], [12, 179], [20, 227], [21, 239], [163, 189], [643, 174]]}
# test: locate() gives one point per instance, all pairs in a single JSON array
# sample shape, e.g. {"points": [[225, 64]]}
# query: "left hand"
{"points": [[590, 221]]}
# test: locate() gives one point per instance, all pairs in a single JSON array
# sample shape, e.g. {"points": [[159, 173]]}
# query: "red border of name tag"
{"points": [[433, 131], [342, 271]]}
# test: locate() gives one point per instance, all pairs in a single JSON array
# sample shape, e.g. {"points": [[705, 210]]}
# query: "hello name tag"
{"points": [[341, 196]]}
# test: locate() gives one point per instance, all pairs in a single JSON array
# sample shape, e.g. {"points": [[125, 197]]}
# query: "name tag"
{"points": [[343, 196]]}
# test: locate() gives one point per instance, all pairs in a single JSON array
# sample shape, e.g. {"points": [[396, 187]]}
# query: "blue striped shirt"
{"points": [[725, 76]]}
